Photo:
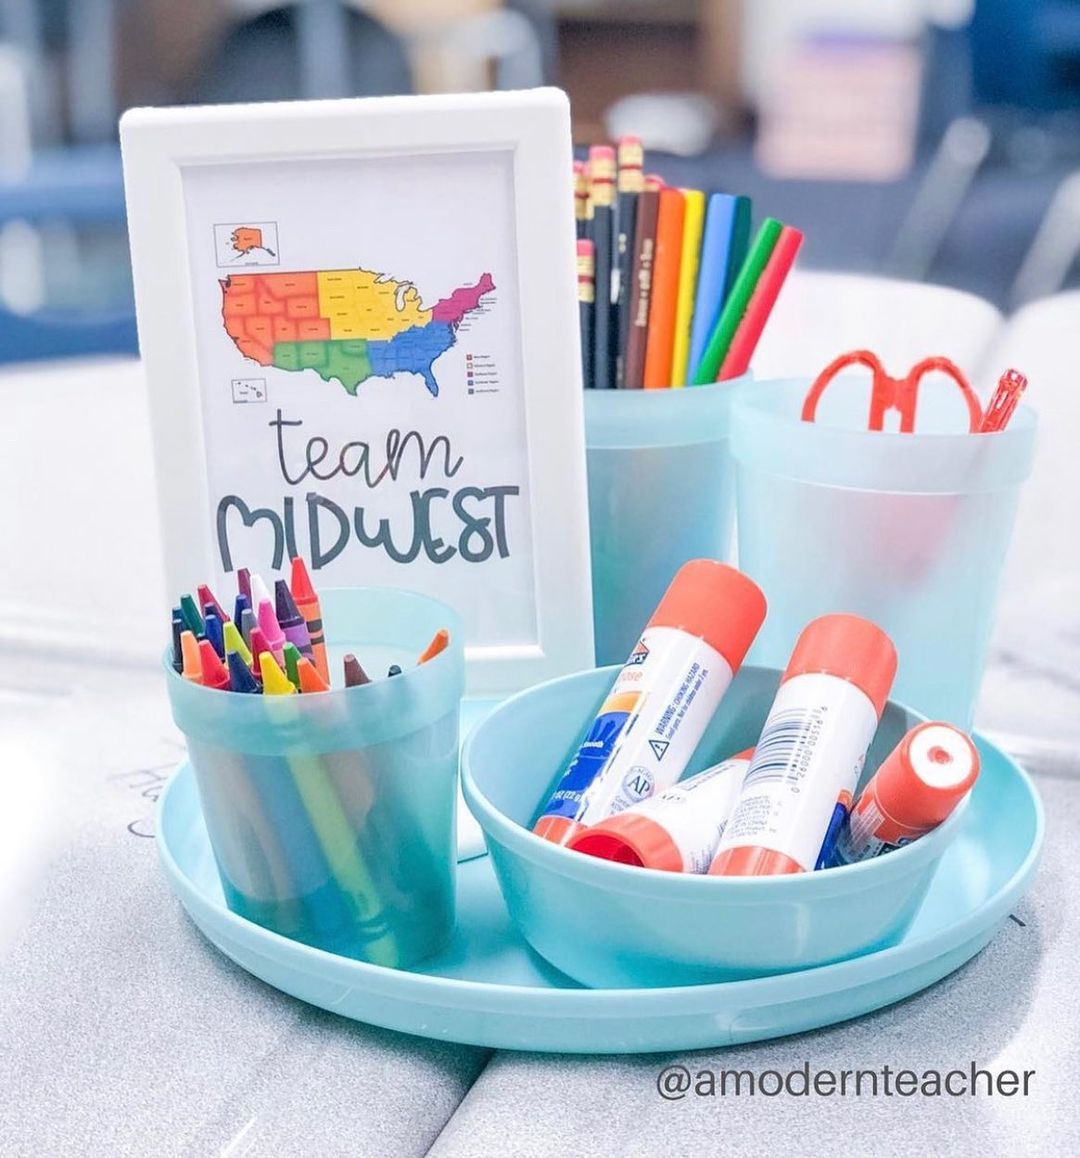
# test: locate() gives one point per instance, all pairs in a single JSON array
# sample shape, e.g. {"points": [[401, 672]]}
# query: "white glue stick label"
{"points": [[678, 681], [695, 811], [811, 749]]}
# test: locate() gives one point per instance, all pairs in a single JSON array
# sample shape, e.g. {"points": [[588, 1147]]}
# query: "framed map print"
{"points": [[358, 324]]}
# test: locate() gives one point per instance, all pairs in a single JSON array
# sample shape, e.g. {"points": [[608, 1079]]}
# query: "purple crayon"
{"points": [[292, 622]]}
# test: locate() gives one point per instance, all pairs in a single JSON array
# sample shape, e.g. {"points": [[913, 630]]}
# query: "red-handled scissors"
{"points": [[888, 393]]}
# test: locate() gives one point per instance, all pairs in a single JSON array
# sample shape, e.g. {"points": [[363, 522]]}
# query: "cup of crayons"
{"points": [[326, 761], [673, 293]]}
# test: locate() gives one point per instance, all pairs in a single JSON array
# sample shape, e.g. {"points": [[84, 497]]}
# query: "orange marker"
{"points": [[214, 673], [307, 603], [664, 299], [440, 643], [310, 680], [189, 650]]}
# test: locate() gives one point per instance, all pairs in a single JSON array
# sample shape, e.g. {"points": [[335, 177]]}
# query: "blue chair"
{"points": [[1026, 54]]}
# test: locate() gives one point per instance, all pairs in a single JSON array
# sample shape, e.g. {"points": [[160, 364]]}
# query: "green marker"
{"points": [[189, 609], [737, 301], [292, 662]]}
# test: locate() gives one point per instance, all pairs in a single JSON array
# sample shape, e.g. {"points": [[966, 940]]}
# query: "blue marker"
{"points": [[215, 630], [240, 677], [723, 250]]}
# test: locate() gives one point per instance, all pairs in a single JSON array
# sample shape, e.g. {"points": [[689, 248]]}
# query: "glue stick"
{"points": [[677, 830], [812, 747], [920, 782], [662, 700]]}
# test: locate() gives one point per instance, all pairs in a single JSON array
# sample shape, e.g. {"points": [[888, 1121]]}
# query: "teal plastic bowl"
{"points": [[610, 925]]}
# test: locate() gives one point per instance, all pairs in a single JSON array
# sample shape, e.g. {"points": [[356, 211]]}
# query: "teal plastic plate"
{"points": [[490, 989]]}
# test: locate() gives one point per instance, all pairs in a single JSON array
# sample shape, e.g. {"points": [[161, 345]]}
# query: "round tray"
{"points": [[490, 989]]}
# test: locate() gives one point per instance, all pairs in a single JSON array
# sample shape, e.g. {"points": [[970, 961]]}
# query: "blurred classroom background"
{"points": [[934, 140]]}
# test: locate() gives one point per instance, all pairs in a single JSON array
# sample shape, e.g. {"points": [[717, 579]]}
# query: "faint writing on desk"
{"points": [[148, 783]]}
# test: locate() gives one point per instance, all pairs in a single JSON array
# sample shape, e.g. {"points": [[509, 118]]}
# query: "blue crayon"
{"points": [[240, 677], [242, 602], [832, 833], [178, 627], [723, 250], [215, 630]]}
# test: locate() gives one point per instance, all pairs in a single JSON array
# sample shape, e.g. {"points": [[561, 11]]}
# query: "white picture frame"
{"points": [[174, 161]]}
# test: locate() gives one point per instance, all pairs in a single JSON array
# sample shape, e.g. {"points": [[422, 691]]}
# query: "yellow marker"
{"points": [[234, 641], [693, 223], [334, 831]]}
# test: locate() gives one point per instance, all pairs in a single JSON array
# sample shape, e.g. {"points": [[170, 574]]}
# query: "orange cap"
{"points": [[716, 603], [926, 775], [752, 860], [557, 829], [850, 648], [630, 839]]}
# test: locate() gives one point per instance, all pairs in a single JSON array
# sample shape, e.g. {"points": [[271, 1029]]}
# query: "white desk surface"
{"points": [[124, 1032]]}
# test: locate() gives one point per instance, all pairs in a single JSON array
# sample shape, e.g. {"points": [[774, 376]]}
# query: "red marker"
{"points": [[215, 673], [307, 603]]}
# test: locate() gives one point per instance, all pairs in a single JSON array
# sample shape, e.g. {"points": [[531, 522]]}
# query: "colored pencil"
{"points": [[664, 297], [748, 333], [630, 183], [602, 195], [739, 298], [586, 287], [723, 244], [640, 285], [693, 223]]}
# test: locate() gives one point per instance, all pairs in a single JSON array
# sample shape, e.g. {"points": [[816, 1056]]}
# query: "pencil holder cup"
{"points": [[660, 494], [908, 530], [332, 815]]}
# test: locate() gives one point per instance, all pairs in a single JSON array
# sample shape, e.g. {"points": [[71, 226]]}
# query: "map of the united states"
{"points": [[345, 324]]}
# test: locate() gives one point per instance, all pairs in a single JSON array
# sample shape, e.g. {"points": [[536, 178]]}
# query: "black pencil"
{"points": [[602, 196], [631, 181], [586, 289]]}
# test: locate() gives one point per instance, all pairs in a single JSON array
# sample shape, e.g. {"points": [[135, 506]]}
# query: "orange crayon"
{"points": [[440, 643], [189, 650], [310, 680], [307, 603]]}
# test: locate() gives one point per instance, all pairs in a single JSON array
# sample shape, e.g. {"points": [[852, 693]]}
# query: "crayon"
{"points": [[214, 630], [215, 674], [723, 247], [640, 288], [190, 611], [630, 183], [307, 603], [664, 296], [240, 677], [310, 680], [291, 621], [271, 629], [581, 198], [355, 676], [247, 623], [748, 333], [189, 649], [586, 287], [259, 592], [602, 192], [177, 631], [242, 604], [395, 669], [292, 658], [206, 596], [243, 583], [257, 646], [688, 276], [737, 301], [275, 682], [234, 641], [440, 642]]}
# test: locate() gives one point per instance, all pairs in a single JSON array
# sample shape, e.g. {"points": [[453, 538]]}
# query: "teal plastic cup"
{"points": [[611, 925], [660, 494], [909, 530], [332, 815]]}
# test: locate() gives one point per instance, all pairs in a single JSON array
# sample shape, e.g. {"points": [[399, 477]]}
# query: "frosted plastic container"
{"points": [[332, 815], [908, 530], [614, 925], [660, 493]]}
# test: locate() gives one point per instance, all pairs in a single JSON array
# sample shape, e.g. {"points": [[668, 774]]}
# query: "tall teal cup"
{"points": [[660, 494], [908, 530], [332, 815]]}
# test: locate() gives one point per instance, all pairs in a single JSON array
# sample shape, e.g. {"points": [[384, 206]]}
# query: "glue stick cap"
{"points": [[715, 602], [630, 839], [850, 648], [558, 829], [926, 775]]}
